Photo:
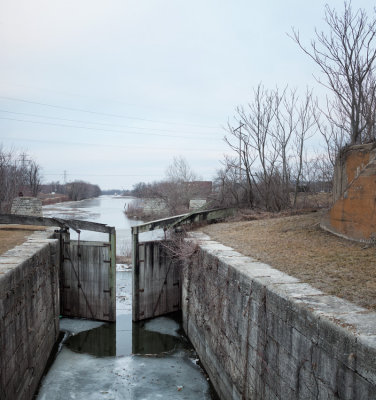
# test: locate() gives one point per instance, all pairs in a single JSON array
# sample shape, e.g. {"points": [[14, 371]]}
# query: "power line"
{"points": [[128, 147], [99, 129], [103, 98], [101, 113], [92, 123], [102, 175]]}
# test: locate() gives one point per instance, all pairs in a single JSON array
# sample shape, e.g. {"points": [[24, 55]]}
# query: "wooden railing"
{"points": [[184, 219], [75, 224]]}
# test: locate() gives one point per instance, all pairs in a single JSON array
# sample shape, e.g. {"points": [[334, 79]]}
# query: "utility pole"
{"points": [[23, 171], [23, 159], [239, 128]]}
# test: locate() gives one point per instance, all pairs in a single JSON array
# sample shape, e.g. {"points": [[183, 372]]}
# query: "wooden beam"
{"points": [[75, 224], [183, 219]]}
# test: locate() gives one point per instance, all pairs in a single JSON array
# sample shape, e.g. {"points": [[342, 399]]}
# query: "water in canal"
{"points": [[123, 360]]}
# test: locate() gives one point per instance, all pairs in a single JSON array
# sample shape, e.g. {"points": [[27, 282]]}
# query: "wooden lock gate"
{"points": [[87, 278]]}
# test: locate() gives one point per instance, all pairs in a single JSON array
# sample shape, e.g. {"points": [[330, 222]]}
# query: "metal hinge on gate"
{"points": [[176, 283], [107, 291], [107, 261], [176, 305], [141, 290]]}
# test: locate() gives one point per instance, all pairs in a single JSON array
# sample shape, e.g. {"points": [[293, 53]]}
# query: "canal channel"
{"points": [[122, 360]]}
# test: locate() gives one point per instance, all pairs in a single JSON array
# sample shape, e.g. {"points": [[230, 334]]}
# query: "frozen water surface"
{"points": [[163, 325], [75, 326], [77, 376], [123, 360]]}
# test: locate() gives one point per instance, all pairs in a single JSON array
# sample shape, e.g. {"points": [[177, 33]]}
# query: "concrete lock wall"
{"points": [[29, 313], [262, 334]]}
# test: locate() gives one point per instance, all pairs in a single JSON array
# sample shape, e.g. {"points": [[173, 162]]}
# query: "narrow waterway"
{"points": [[123, 360]]}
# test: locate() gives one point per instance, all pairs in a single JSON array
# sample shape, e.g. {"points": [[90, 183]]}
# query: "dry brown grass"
{"points": [[297, 246], [13, 235]]}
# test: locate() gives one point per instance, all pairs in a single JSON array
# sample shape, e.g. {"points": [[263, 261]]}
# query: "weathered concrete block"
{"points": [[27, 206], [29, 311], [262, 334]]}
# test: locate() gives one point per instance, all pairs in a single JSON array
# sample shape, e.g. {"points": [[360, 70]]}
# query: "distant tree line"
{"points": [[270, 165], [19, 173], [76, 190]]}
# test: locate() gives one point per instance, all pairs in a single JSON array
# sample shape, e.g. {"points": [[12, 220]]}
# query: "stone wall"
{"points": [[29, 313], [196, 204], [27, 206], [353, 214], [262, 334]]}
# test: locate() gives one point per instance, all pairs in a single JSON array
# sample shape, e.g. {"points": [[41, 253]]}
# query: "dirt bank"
{"points": [[297, 245], [13, 235]]}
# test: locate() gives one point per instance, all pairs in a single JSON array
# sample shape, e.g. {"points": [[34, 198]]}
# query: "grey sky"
{"points": [[111, 90]]}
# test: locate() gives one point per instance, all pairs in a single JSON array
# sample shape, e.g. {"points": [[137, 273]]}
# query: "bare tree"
{"points": [[18, 173], [334, 135], [305, 129], [9, 179], [259, 119], [79, 190], [346, 57], [255, 142], [286, 126], [175, 191], [229, 188], [180, 171], [238, 174], [276, 125], [33, 177]]}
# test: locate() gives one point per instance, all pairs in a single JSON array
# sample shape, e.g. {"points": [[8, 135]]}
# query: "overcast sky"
{"points": [[111, 90]]}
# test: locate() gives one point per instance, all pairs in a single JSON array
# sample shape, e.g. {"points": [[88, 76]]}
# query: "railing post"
{"points": [[64, 240], [135, 276], [112, 274]]}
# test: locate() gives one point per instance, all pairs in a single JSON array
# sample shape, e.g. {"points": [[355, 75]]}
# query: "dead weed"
{"points": [[297, 246], [14, 235]]}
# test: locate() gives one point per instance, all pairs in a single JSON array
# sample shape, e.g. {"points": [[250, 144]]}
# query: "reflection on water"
{"points": [[145, 341], [99, 342], [124, 338]]}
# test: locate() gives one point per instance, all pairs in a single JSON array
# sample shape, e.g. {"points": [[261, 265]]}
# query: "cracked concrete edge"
{"points": [[20, 253], [346, 315]]}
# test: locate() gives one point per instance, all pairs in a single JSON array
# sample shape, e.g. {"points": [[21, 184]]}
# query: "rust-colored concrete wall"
{"points": [[354, 211]]}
